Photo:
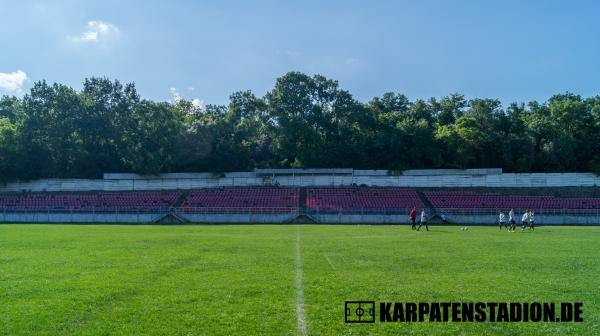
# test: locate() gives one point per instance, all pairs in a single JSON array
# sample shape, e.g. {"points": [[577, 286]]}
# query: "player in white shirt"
{"points": [[531, 221], [423, 220], [524, 220], [502, 221], [511, 220]]}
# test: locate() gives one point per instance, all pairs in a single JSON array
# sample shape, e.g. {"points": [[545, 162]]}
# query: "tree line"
{"points": [[304, 121]]}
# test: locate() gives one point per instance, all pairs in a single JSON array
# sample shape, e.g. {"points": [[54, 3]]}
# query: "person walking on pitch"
{"points": [[501, 221], [413, 218], [511, 220], [524, 220], [531, 221], [423, 220]]}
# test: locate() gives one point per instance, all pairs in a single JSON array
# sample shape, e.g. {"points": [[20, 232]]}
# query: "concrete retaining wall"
{"points": [[454, 219], [44, 217], [361, 219], [539, 220], [275, 218], [237, 218], [123, 182]]}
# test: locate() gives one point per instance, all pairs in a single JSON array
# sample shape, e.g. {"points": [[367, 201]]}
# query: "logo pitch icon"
{"points": [[359, 312]]}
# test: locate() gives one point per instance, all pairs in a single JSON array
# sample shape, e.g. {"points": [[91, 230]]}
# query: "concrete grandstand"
{"points": [[314, 195]]}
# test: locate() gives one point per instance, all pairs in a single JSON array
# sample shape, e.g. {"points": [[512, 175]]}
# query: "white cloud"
{"points": [[176, 97], [198, 103], [89, 36], [13, 81], [352, 61], [175, 93], [97, 30]]}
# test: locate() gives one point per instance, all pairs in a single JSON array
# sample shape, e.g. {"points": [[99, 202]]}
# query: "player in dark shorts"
{"points": [[413, 218], [423, 220], [524, 220], [502, 221], [531, 221], [511, 220]]}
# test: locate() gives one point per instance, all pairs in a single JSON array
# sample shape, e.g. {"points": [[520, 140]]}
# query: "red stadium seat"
{"points": [[362, 199]]}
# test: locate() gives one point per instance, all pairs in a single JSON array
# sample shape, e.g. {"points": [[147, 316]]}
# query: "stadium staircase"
{"points": [[172, 217], [302, 217], [302, 200], [425, 201], [435, 217], [181, 199]]}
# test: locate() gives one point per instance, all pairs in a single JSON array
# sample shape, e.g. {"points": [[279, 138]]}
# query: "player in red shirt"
{"points": [[413, 217]]}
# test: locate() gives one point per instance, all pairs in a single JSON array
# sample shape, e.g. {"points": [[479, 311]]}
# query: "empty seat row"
{"points": [[93, 201], [265, 199], [362, 199], [460, 199], [273, 197]]}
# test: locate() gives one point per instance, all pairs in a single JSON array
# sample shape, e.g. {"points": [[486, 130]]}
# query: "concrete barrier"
{"points": [[414, 178], [44, 217], [237, 218]]}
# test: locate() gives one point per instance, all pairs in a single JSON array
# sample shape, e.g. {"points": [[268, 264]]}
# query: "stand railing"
{"points": [[243, 210], [237, 210], [368, 215]]}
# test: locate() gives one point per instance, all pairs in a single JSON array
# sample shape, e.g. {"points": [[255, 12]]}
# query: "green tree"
{"points": [[312, 119], [7, 149], [304, 121]]}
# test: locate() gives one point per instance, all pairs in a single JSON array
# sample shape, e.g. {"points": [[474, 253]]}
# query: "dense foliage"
{"points": [[55, 131]]}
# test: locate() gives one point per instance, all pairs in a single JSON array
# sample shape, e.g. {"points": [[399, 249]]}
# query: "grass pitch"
{"points": [[257, 279]]}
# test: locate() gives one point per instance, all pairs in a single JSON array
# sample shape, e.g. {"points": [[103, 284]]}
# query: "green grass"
{"points": [[241, 279]]}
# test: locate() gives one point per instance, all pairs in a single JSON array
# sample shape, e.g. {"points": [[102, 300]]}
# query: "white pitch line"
{"points": [[300, 315], [329, 261]]}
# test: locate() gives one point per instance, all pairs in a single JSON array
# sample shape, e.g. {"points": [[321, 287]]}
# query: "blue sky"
{"points": [[511, 50]]}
